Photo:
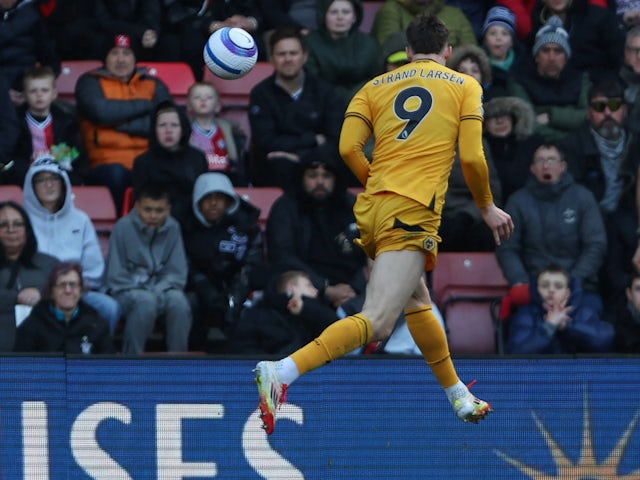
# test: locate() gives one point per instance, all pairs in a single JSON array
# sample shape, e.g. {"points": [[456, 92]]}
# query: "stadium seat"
{"points": [[369, 10], [70, 71], [261, 197], [468, 288], [11, 192], [177, 76], [97, 202], [235, 93], [128, 201]]}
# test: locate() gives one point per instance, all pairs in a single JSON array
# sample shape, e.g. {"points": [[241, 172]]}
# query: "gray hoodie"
{"points": [[212, 182]]}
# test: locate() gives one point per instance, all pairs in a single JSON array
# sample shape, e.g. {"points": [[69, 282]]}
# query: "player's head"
{"points": [[153, 204], [427, 34], [39, 85]]}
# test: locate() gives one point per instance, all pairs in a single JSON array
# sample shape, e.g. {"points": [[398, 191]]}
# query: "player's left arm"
{"points": [[355, 133]]}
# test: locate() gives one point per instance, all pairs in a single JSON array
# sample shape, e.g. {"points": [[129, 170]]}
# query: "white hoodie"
{"points": [[68, 234]]}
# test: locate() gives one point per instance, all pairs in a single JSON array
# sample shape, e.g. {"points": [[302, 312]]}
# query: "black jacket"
{"points": [[178, 170], [86, 333], [317, 240], [269, 328], [280, 123]]}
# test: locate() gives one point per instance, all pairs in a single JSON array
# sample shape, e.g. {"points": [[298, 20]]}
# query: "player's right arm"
{"points": [[355, 133]]}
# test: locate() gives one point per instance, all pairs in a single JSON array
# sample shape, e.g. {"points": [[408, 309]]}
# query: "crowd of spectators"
{"points": [[561, 120]]}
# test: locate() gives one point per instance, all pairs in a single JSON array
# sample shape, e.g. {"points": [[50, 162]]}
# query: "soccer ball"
{"points": [[230, 53]]}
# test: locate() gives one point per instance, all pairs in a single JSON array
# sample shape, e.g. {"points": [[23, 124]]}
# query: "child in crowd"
{"points": [[500, 42], [46, 128], [216, 137], [555, 321], [147, 272]]}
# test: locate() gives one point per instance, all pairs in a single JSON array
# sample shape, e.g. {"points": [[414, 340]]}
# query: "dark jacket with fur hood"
{"points": [[512, 154]]}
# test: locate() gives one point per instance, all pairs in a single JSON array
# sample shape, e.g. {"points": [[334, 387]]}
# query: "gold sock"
{"points": [[335, 341], [432, 341]]}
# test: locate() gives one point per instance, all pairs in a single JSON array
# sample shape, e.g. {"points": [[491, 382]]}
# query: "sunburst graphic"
{"points": [[587, 466]]}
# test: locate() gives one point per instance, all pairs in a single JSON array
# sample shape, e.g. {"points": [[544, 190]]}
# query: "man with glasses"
{"points": [[556, 220], [603, 155]]}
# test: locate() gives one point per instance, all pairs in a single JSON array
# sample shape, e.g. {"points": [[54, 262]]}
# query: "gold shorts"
{"points": [[390, 222]]}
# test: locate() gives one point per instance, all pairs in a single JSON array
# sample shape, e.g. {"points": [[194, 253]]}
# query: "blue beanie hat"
{"points": [[552, 32], [500, 16]]}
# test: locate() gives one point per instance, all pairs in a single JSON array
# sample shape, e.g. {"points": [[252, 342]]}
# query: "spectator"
{"points": [[9, 131], [395, 15], [147, 272], [589, 26], [502, 47], [24, 43], [193, 21], [225, 250], [603, 155], [62, 321], [473, 60], [66, 232], [115, 103], [289, 316], [141, 21], [510, 140], [556, 221], [626, 318], [47, 129], [630, 76], [394, 52], [312, 229], [556, 320], [557, 91], [291, 113], [221, 141], [170, 159], [23, 270], [338, 51]]}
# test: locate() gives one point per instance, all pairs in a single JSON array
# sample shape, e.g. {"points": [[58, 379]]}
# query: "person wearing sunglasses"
{"points": [[602, 154]]}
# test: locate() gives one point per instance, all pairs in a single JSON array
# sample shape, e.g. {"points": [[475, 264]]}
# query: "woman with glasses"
{"points": [[23, 270], [61, 321]]}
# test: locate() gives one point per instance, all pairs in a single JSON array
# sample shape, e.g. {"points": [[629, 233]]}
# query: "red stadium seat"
{"points": [[11, 192], [468, 288], [177, 76], [70, 71], [261, 197], [127, 202], [235, 93], [96, 201]]}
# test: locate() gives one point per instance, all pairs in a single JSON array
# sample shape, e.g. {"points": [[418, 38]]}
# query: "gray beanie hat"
{"points": [[552, 32]]}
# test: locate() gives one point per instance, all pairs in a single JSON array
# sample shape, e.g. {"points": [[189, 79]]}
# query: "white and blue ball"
{"points": [[230, 53]]}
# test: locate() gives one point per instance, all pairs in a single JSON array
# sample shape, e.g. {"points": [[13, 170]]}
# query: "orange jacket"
{"points": [[115, 115]]}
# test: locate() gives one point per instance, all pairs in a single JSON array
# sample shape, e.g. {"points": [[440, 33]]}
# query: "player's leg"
{"points": [[392, 281], [432, 341]]}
